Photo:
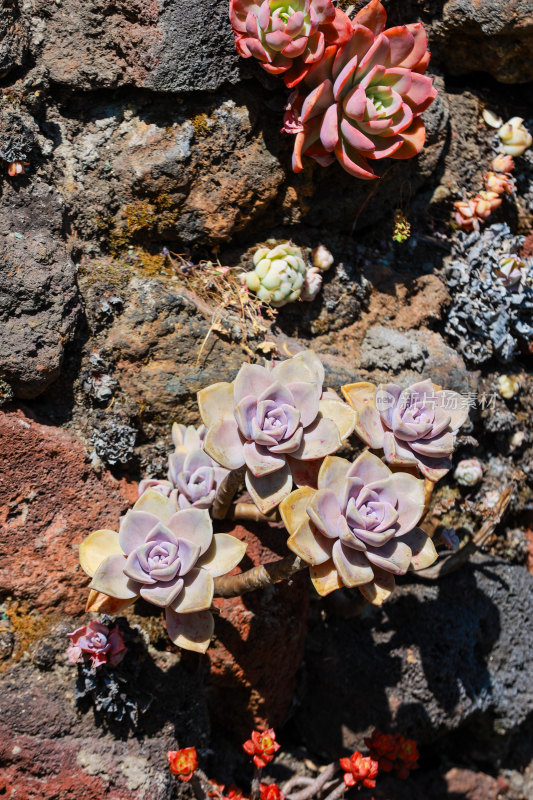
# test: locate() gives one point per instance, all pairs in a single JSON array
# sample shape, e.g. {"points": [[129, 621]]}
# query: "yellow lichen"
{"points": [[200, 124], [28, 626]]}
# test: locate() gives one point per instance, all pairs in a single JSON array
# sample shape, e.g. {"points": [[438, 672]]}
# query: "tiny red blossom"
{"points": [[262, 746], [183, 762], [359, 769], [234, 793], [270, 791]]}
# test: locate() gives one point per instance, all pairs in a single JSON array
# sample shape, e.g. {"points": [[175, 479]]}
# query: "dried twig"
{"points": [[258, 577]]}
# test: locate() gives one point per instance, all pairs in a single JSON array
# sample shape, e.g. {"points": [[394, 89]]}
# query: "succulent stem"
{"points": [[315, 785], [258, 577], [255, 788], [249, 511], [226, 492]]}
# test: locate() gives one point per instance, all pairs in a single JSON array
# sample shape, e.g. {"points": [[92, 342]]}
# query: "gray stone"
{"points": [[39, 303], [434, 657], [391, 350]]}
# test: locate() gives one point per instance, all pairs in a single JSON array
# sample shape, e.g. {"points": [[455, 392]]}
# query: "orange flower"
{"points": [[393, 752], [183, 762], [262, 746], [359, 769]]}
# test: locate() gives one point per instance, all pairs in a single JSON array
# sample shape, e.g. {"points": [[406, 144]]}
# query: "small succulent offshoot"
{"points": [[278, 275], [183, 763], [96, 643], [511, 271], [468, 472], [515, 137]]}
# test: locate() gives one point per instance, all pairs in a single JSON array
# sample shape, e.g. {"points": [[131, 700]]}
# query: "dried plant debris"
{"points": [[487, 319]]}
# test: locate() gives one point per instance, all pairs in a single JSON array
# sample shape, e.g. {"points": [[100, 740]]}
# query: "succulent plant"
{"points": [[393, 752], [270, 791], [322, 258], [469, 213], [193, 477], [312, 284], [287, 36], [499, 182], [363, 100], [167, 556], [275, 420], [359, 770], [278, 274], [262, 746], [502, 163], [515, 137], [359, 527], [183, 763], [98, 643], [511, 270], [468, 472], [415, 427], [508, 386]]}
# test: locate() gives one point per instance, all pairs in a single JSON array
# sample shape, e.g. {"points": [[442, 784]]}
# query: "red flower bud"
{"points": [[183, 762]]}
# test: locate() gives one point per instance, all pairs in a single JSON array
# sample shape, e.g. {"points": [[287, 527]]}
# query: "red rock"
{"points": [[471, 785], [259, 641], [49, 500]]}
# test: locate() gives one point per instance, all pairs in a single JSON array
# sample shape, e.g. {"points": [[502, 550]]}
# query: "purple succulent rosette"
{"points": [[415, 427], [168, 557], [359, 527], [193, 477], [270, 419], [96, 642]]}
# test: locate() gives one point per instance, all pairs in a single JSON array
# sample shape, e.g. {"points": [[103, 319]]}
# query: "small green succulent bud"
{"points": [[278, 274]]}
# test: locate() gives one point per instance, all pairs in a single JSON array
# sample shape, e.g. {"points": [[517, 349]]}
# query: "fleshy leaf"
{"points": [[197, 592], [190, 631], [215, 403], [224, 554], [422, 548], [96, 547], [380, 589], [268, 492], [310, 545], [325, 578], [224, 444], [342, 415], [293, 508], [101, 603], [110, 579], [320, 439], [156, 503]]}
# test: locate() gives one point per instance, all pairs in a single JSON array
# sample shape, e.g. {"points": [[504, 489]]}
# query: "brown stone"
{"points": [[49, 500], [471, 785]]}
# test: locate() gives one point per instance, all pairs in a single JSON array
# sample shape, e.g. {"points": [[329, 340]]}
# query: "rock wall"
{"points": [[151, 149]]}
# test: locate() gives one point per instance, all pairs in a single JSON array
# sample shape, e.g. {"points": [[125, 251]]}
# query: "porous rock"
{"points": [[39, 304], [49, 500], [434, 657]]}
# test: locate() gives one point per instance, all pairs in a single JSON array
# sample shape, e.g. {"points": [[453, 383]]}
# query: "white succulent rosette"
{"points": [[515, 137], [278, 274], [170, 558]]}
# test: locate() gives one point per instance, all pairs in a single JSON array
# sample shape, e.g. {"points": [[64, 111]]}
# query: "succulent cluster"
{"points": [[359, 770], [361, 87], [486, 318], [167, 556], [276, 426], [193, 478], [183, 763], [282, 273], [271, 419], [359, 527]]}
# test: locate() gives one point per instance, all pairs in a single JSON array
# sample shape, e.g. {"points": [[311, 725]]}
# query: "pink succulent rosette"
{"points": [[96, 642], [415, 427], [271, 419], [169, 557], [359, 527], [193, 477], [363, 100], [287, 36]]}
